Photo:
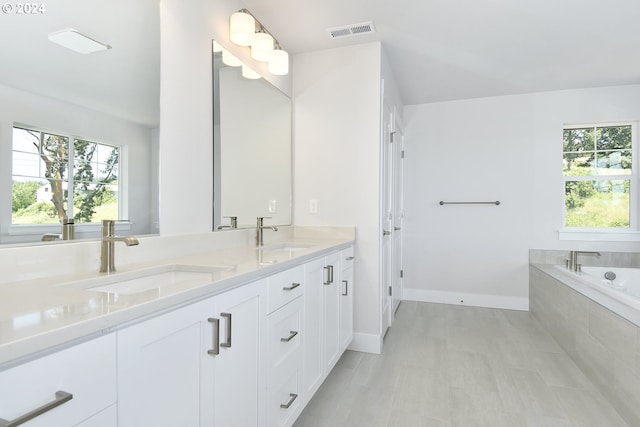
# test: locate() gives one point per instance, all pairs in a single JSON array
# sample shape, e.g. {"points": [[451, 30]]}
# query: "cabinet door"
{"points": [[162, 369], [331, 300], [313, 340], [237, 379], [84, 373], [346, 299]]}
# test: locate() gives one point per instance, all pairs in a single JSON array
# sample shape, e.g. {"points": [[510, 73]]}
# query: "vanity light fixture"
{"points": [[76, 41], [248, 73], [230, 59], [242, 28], [264, 47]]}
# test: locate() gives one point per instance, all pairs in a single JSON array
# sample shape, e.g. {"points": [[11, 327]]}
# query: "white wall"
{"points": [[336, 158], [186, 118], [504, 148], [56, 116]]}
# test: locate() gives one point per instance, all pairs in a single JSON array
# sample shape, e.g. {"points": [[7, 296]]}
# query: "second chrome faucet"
{"points": [[107, 245], [260, 229]]}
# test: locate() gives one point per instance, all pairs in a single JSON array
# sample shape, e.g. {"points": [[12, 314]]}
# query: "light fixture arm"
{"points": [[261, 28]]}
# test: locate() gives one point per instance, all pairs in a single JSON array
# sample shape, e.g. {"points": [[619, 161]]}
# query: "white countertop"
{"points": [[44, 314]]}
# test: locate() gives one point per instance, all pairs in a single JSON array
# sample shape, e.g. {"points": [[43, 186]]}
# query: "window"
{"points": [[44, 172], [599, 176]]}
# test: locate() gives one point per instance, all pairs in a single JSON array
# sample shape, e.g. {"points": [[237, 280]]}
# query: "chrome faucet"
{"points": [[572, 262], [68, 231], [107, 245], [233, 225], [260, 229]]}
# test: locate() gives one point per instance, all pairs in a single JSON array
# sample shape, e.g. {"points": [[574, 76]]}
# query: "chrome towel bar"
{"points": [[497, 202]]}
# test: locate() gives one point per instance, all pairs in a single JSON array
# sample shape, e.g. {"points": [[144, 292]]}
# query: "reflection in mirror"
{"points": [[252, 149], [79, 131]]}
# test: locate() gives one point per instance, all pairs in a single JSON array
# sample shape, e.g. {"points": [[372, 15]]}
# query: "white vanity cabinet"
{"points": [[346, 298], [328, 316], [71, 387], [194, 366], [285, 332]]}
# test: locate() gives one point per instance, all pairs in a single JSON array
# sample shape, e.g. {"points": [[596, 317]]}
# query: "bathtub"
{"points": [[621, 284]]}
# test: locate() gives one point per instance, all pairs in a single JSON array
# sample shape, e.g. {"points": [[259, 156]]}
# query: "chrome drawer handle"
{"points": [[61, 397], [216, 337], [227, 344], [290, 337], [290, 402], [350, 258], [292, 287]]}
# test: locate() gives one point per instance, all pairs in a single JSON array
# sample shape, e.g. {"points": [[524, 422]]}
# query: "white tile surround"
{"points": [[604, 345]]}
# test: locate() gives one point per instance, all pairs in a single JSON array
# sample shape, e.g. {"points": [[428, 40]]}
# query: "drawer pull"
{"points": [[227, 344], [290, 337], [292, 287], [61, 397], [350, 258], [216, 337], [329, 276], [290, 402]]}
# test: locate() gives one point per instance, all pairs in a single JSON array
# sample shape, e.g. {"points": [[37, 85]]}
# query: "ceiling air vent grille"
{"points": [[351, 30]]}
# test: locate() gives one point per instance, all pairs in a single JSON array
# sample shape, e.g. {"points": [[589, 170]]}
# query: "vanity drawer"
{"points": [[285, 333], [284, 287], [284, 399], [346, 258], [86, 371]]}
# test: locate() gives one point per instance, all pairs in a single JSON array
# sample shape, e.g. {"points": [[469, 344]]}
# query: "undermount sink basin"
{"points": [[288, 247], [135, 282]]}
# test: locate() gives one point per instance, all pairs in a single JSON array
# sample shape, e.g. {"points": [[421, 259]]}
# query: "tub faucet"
{"points": [[107, 245], [572, 262], [260, 229]]}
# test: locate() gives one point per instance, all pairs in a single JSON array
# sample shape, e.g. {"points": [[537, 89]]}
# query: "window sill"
{"points": [[599, 235]]}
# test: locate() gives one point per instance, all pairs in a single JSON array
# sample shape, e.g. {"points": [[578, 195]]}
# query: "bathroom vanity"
{"points": [[238, 336]]}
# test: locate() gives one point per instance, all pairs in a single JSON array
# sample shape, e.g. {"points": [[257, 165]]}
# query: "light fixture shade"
{"points": [[248, 73], [262, 47], [229, 59], [242, 28], [279, 63]]}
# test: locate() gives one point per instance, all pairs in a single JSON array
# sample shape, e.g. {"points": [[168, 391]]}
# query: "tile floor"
{"points": [[446, 365]]}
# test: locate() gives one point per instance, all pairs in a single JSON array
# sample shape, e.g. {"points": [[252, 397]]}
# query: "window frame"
{"points": [[630, 233], [82, 227]]}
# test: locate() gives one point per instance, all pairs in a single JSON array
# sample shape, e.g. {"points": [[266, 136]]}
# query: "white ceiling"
{"points": [[456, 49], [123, 81]]}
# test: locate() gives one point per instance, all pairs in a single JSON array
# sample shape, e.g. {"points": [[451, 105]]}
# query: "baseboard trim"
{"points": [[459, 298], [367, 343]]}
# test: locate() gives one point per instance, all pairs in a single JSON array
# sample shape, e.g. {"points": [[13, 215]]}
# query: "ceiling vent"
{"points": [[351, 30]]}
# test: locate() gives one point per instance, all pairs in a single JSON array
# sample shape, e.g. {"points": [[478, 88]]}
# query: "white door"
{"points": [[331, 304], [397, 189], [386, 218], [313, 327]]}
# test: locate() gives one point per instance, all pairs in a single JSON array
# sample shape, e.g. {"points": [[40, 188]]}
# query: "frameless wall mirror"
{"points": [[252, 147], [79, 118]]}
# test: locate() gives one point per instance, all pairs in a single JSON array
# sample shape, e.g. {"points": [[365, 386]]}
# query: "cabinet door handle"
{"points": [[346, 288], [385, 232], [350, 258], [227, 344], [329, 270], [292, 287], [292, 399], [216, 336], [290, 337], [60, 398]]}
